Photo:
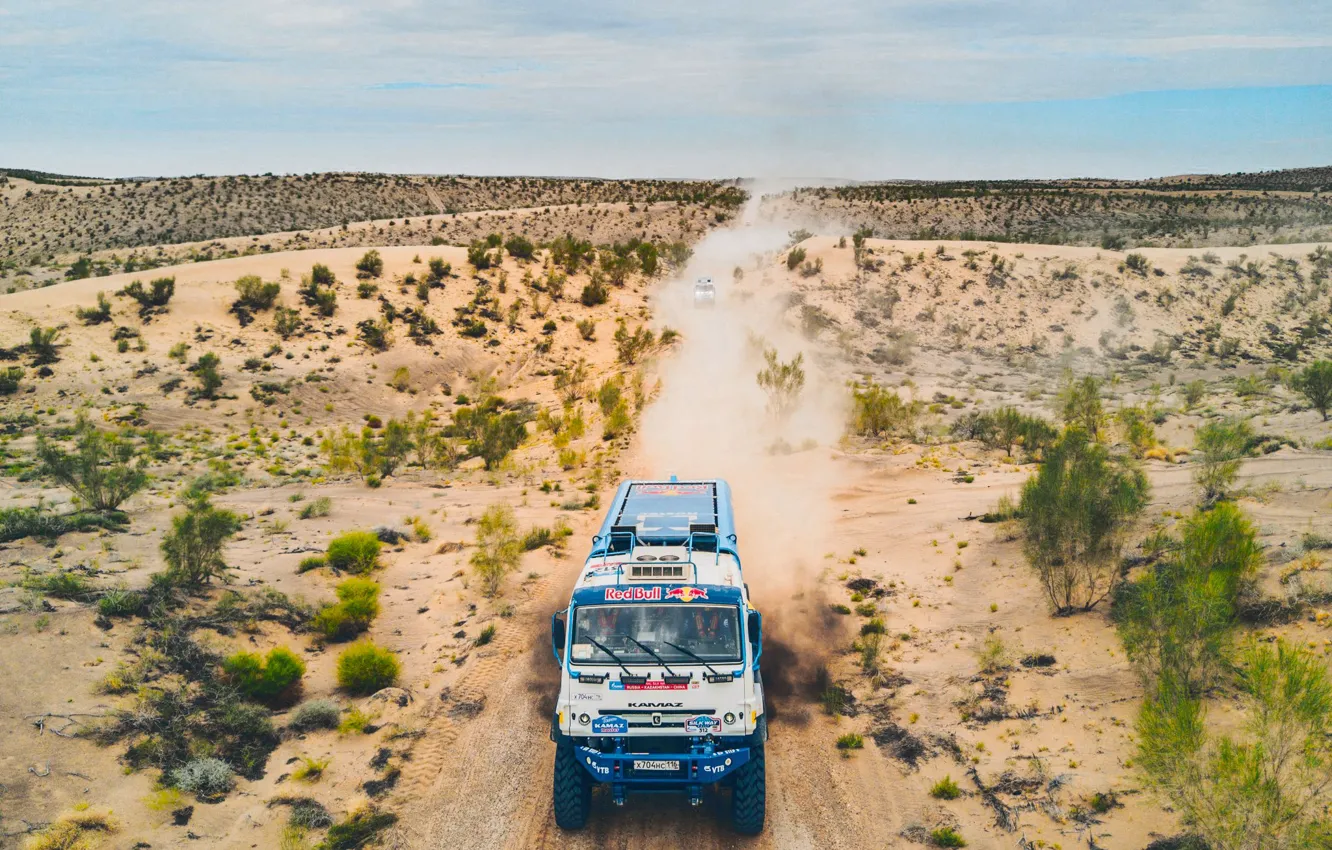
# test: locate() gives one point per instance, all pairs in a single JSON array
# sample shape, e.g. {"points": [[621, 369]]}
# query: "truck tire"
{"points": [[572, 790], [749, 795]]}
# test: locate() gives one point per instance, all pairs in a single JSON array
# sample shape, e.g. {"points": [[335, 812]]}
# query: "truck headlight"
{"points": [[729, 718], [584, 719]]}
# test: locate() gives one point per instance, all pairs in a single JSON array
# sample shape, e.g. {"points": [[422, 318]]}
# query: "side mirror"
{"points": [[755, 628], [557, 634]]}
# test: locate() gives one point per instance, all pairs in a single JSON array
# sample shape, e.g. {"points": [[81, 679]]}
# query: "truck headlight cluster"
{"points": [[729, 718]]}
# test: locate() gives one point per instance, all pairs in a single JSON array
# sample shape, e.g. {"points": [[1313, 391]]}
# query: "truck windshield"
{"points": [[711, 632]]}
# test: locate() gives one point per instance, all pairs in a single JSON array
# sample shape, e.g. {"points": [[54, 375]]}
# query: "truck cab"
{"points": [[705, 293], [659, 651]]}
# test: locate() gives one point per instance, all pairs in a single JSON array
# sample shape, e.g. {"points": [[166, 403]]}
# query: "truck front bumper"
{"points": [[661, 771]]}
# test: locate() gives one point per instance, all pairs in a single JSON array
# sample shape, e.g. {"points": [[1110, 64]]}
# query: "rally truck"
{"points": [[659, 653]]}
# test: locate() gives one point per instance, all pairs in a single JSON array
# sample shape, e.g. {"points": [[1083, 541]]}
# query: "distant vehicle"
{"points": [[659, 651], [705, 293]]}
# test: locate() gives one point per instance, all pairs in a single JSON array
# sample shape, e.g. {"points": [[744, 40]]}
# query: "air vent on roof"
{"points": [[656, 571], [646, 558], [669, 558]]}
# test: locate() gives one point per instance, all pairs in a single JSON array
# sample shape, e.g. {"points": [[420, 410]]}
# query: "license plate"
{"points": [[656, 764]]}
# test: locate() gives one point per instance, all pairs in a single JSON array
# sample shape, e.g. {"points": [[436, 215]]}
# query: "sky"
{"points": [[927, 89]]}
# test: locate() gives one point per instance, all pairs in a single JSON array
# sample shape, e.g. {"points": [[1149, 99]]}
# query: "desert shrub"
{"points": [[264, 678], [1139, 431], [205, 778], [42, 345], [1137, 264], [319, 507], [498, 547], [120, 602], [10, 377], [78, 830], [1080, 404], [357, 830], [498, 434], [877, 410], [794, 258], [1267, 786], [209, 378], [1075, 512], [438, 270], [520, 247], [377, 335], [306, 814], [370, 264], [850, 741], [945, 789], [783, 382], [354, 551], [1314, 382], [364, 668], [311, 562], [993, 655], [286, 322], [104, 470], [630, 347], [947, 836], [1176, 619], [155, 298], [95, 315], [315, 714], [357, 606], [253, 294], [62, 584], [193, 546], [1219, 447], [595, 292], [1194, 392]]}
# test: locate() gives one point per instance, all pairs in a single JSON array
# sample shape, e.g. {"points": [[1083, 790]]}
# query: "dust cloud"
{"points": [[710, 420]]}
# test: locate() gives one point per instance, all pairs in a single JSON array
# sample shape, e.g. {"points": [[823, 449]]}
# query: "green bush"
{"points": [[264, 679], [104, 470], [120, 602], [354, 552], [357, 606], [1314, 382], [62, 584], [311, 562], [945, 789], [254, 295], [370, 265], [498, 547], [1220, 448], [193, 546], [319, 507], [9, 379], [364, 668], [946, 836], [357, 830], [850, 741]]}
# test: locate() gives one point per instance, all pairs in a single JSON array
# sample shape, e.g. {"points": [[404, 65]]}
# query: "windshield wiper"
{"points": [[692, 655], [616, 658], [649, 651]]}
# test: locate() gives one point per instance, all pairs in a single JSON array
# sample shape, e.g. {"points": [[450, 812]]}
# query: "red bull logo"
{"points": [[686, 593], [634, 594]]}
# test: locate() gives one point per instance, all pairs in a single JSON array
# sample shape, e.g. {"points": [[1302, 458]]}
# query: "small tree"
{"points": [[878, 410], [499, 434], [210, 379], [438, 271], [1075, 511], [254, 295], [1220, 447], [595, 292], [370, 265], [1176, 620], [1314, 382], [1194, 392], [520, 247], [1080, 404], [193, 546], [498, 547], [783, 382], [104, 470], [286, 322]]}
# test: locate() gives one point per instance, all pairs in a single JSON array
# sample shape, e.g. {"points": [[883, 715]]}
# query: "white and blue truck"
{"points": [[660, 689]]}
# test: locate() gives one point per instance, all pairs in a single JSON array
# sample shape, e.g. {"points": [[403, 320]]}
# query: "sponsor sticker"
{"points": [[633, 594], [687, 593], [610, 725], [672, 489], [702, 725], [650, 685]]}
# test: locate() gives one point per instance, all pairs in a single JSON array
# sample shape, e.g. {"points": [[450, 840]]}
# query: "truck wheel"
{"points": [[573, 789], [749, 795]]}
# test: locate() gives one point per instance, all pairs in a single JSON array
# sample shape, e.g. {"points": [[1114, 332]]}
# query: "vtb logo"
{"points": [[687, 594]]}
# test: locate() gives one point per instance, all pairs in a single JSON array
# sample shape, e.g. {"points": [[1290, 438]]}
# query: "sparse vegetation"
{"points": [[1221, 447], [498, 547], [783, 382], [354, 552], [364, 668]]}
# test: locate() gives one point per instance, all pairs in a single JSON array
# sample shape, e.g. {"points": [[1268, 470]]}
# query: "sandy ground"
{"points": [[815, 511]]}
